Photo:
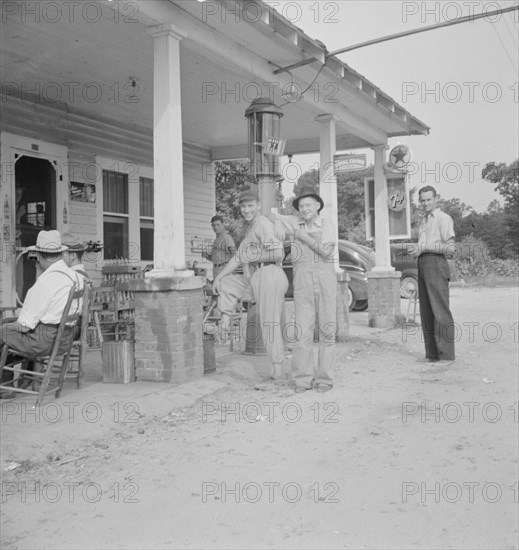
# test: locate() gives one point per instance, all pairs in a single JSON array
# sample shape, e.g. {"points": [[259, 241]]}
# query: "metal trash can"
{"points": [[118, 359]]}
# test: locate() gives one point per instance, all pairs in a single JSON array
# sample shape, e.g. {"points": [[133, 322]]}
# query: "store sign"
{"points": [[198, 244], [397, 204], [397, 201], [400, 156], [348, 163]]}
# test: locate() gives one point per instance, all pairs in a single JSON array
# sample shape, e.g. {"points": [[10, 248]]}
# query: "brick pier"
{"points": [[168, 328], [383, 298]]}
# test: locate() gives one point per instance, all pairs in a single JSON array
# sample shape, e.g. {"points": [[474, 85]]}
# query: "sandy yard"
{"points": [[398, 455]]}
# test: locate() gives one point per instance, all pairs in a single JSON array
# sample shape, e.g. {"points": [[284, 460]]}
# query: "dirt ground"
{"points": [[398, 455]]}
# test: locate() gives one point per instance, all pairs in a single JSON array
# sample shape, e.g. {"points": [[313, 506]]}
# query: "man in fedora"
{"points": [[314, 258], [73, 256], [37, 325], [260, 253]]}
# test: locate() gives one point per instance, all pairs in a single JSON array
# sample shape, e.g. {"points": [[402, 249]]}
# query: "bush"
{"points": [[473, 259]]}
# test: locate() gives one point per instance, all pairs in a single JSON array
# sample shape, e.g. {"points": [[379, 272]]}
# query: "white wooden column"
{"points": [[382, 251], [328, 181], [169, 256]]}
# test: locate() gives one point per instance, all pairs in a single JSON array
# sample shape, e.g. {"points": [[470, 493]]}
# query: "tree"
{"points": [[506, 179], [460, 214], [231, 178]]}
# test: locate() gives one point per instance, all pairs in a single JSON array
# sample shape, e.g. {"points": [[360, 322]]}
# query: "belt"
{"points": [[263, 264], [431, 254]]}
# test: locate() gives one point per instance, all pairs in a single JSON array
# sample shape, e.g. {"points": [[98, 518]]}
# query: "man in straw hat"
{"points": [[37, 325], [261, 254], [314, 258]]}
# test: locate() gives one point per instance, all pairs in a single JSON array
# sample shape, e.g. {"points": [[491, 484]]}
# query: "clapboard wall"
{"points": [[86, 137]]}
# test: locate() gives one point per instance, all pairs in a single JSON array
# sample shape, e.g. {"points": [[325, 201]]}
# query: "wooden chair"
{"points": [[102, 308], [45, 366], [77, 359], [413, 301], [4, 317]]}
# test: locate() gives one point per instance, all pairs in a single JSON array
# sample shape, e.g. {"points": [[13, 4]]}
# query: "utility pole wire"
{"points": [[465, 19]]}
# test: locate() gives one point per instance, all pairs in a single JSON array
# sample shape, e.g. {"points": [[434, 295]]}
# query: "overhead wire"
{"points": [[504, 48]]}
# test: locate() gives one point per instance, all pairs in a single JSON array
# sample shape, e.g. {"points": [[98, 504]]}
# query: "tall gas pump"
{"points": [[265, 148]]}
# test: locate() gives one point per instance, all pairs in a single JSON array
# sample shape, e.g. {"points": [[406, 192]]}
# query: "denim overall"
{"points": [[315, 301]]}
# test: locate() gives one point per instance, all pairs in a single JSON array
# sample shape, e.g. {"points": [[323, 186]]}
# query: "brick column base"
{"points": [[384, 298], [168, 328]]}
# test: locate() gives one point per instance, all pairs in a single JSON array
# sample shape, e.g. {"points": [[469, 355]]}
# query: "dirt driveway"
{"points": [[397, 455]]}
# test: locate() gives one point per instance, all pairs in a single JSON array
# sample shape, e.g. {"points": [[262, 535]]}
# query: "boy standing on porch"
{"points": [[223, 246], [261, 254]]}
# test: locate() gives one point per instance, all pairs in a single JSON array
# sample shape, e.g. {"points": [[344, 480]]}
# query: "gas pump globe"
{"points": [[265, 148]]}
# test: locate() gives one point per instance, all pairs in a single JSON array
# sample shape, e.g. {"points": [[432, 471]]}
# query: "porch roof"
{"points": [[87, 59]]}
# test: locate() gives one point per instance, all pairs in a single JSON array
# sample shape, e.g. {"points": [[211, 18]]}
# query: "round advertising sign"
{"points": [[400, 156]]}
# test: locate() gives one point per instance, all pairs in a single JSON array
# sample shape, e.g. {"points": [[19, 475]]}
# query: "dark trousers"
{"points": [[437, 322], [37, 342]]}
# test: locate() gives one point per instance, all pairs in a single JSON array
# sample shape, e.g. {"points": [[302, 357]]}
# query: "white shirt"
{"points": [[434, 230], [47, 298]]}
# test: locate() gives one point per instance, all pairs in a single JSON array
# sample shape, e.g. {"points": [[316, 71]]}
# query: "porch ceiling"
{"points": [[88, 59]]}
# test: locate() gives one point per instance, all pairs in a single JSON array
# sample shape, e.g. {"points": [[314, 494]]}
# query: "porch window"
{"points": [[115, 215], [126, 220], [146, 217]]}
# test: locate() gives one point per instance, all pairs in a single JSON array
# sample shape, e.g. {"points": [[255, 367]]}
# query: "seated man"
{"points": [[73, 256], [262, 253], [35, 329], [74, 259]]}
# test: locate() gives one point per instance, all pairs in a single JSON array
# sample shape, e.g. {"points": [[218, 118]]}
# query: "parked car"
{"points": [[354, 259], [408, 266]]}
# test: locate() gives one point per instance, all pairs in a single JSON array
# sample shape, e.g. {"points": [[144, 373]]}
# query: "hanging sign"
{"points": [[397, 205], [348, 163], [400, 156]]}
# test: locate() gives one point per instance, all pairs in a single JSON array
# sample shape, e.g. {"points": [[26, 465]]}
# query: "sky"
{"points": [[461, 81]]}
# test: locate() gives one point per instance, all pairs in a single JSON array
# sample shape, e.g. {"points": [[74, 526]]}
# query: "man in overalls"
{"points": [[264, 281], [315, 290]]}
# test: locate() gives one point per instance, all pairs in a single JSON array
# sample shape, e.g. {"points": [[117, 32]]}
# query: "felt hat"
{"points": [[49, 242], [307, 191]]}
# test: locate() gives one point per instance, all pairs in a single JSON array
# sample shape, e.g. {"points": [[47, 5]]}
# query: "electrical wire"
{"points": [[505, 48], [510, 32], [307, 88]]}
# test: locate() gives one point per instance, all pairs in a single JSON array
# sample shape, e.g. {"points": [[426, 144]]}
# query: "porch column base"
{"points": [[383, 298], [168, 328]]}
